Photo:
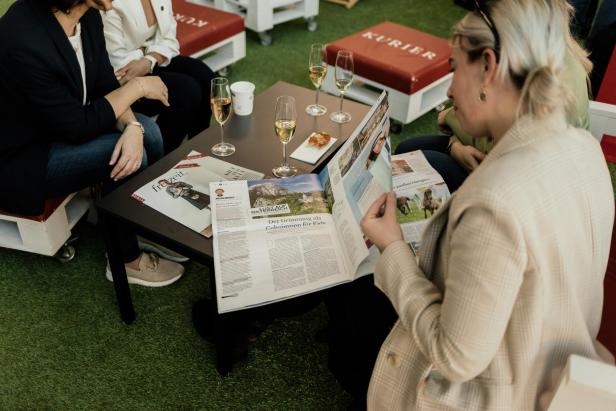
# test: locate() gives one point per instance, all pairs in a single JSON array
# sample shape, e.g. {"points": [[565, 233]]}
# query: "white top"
{"points": [[129, 37], [77, 46], [150, 33]]}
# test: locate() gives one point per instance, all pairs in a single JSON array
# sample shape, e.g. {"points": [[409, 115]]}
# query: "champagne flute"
{"points": [[344, 78], [284, 124], [317, 69], [220, 98]]}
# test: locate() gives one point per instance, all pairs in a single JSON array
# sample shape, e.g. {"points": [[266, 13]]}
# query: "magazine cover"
{"points": [[182, 193]]}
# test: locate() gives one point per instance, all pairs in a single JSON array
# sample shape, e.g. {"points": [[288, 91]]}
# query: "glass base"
{"points": [[340, 117], [316, 110], [223, 149], [284, 170]]}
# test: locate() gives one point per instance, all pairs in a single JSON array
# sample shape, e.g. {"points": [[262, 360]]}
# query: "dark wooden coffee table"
{"points": [[257, 148]]}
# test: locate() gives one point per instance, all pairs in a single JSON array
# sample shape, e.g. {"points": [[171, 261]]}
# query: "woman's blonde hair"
{"points": [[534, 42]]}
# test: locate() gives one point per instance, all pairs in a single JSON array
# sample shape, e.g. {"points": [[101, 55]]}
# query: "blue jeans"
{"points": [[435, 150], [72, 168]]}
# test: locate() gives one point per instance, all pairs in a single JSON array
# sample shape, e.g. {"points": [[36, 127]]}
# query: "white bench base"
{"points": [[263, 15], [403, 107], [44, 237], [585, 384], [224, 53], [602, 119]]}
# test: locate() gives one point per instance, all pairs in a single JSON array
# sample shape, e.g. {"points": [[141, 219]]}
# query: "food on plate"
{"points": [[319, 139]]}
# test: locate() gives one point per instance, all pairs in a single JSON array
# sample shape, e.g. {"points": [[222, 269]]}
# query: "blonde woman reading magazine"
{"points": [[509, 280]]}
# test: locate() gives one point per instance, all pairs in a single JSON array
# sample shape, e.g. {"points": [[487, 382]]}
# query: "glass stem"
{"points": [[317, 103], [341, 101], [222, 134], [284, 155]]}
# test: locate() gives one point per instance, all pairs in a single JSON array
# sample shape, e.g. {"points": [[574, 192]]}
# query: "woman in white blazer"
{"points": [[509, 280], [141, 40]]}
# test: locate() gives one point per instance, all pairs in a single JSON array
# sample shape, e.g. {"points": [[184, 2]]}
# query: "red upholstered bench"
{"points": [[48, 232], [607, 332], [215, 35], [607, 92], [608, 145], [411, 65], [262, 15]]}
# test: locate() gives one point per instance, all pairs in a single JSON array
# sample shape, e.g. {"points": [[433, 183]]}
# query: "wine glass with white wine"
{"points": [[220, 99], [284, 124], [344, 78], [317, 69]]}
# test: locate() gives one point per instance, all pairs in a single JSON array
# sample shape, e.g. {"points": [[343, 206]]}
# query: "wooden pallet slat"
{"points": [[347, 3]]}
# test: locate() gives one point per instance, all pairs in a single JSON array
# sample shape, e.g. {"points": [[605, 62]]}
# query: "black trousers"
{"points": [[188, 82], [434, 149], [361, 317]]}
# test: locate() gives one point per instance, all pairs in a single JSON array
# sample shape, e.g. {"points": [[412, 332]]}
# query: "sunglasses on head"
{"points": [[482, 9]]}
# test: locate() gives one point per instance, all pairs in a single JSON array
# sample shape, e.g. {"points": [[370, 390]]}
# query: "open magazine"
{"points": [[182, 193], [420, 192], [280, 238]]}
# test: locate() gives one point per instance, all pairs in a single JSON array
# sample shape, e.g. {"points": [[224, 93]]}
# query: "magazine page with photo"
{"points": [[358, 174], [420, 192], [279, 238], [182, 193], [274, 239]]}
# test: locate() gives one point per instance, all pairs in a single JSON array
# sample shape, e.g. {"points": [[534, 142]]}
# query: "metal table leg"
{"points": [[109, 226]]}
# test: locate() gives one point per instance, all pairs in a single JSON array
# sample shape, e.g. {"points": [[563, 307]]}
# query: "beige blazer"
{"points": [[126, 31], [509, 280]]}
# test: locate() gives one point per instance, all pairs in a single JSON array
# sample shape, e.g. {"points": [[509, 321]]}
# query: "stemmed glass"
{"points": [[344, 78], [221, 107], [284, 124], [317, 70]]}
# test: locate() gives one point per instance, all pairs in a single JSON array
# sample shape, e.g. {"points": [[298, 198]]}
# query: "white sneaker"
{"points": [[152, 247], [153, 271]]}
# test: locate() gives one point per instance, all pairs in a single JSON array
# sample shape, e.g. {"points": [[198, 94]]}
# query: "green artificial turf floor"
{"points": [[63, 346]]}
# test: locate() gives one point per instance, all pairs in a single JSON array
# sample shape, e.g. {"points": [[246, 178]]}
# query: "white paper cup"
{"points": [[242, 94]]}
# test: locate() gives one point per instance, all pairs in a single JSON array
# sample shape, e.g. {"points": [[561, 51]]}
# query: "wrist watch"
{"points": [[135, 123], [152, 60]]}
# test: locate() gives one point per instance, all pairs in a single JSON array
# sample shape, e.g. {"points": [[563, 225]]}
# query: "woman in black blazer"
{"points": [[65, 123]]}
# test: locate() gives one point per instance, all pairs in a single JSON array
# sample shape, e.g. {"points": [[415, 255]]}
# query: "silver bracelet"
{"points": [[135, 123]]}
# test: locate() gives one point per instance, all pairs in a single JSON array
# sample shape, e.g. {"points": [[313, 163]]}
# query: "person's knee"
{"points": [[153, 148], [188, 96], [407, 146], [144, 161], [201, 72]]}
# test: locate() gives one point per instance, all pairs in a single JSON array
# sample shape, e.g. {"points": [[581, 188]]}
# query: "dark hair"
{"points": [[60, 5]]}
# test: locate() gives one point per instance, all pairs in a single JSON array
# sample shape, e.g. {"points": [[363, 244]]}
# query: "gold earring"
{"points": [[483, 96]]}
